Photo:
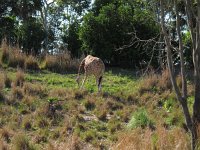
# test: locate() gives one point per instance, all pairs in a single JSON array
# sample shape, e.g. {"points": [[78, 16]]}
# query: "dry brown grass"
{"points": [[3, 146], [16, 58], [154, 82], [21, 142], [5, 51], [60, 62], [31, 63], [135, 140], [147, 139], [17, 94], [6, 134], [33, 89], [164, 82], [20, 78]]}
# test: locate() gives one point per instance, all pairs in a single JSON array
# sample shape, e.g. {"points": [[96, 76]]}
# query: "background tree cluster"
{"points": [[115, 30]]}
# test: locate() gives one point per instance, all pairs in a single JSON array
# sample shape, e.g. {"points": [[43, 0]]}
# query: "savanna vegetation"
{"points": [[150, 95]]}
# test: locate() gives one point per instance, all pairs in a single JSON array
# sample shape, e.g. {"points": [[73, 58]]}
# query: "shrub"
{"points": [[21, 142], [31, 63], [140, 119]]}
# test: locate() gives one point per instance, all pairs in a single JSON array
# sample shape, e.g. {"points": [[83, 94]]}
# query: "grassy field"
{"points": [[45, 110]]}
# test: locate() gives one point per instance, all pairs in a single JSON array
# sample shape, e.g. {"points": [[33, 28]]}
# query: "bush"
{"points": [[140, 119], [31, 63]]}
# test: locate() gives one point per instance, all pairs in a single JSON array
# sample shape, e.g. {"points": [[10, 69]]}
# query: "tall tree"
{"points": [[193, 18]]}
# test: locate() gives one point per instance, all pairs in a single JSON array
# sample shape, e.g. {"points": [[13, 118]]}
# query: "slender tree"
{"points": [[194, 28]]}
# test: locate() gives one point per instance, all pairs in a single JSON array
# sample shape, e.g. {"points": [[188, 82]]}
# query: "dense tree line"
{"points": [[101, 28]]}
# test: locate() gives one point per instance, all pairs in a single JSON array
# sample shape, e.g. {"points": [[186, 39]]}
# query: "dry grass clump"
{"points": [[6, 134], [136, 139], [164, 82], [27, 123], [3, 146], [17, 94], [31, 63], [176, 138], [60, 63], [20, 78], [16, 59], [148, 83], [59, 92], [33, 89], [29, 101], [5, 80], [1, 87], [5, 51], [156, 82], [21, 142], [147, 139]]}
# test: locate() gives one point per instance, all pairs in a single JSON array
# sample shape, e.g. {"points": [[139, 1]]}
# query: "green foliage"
{"points": [[102, 34], [31, 43], [140, 118]]}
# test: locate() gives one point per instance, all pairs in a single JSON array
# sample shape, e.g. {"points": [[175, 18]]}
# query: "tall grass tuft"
{"points": [[60, 63], [5, 51], [21, 142], [16, 58], [31, 63], [3, 146], [164, 82], [20, 78]]}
